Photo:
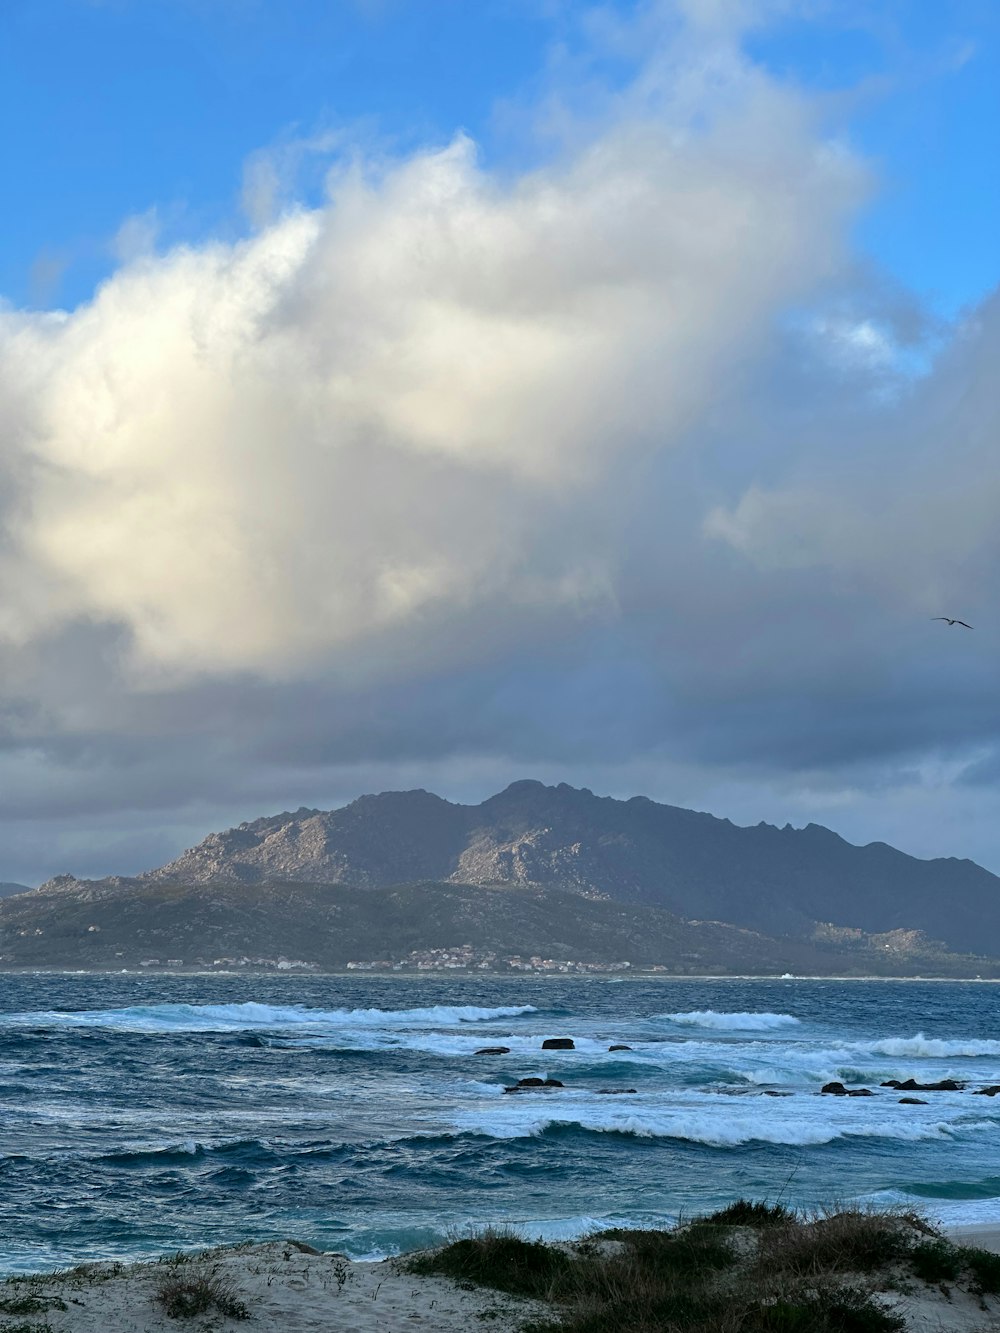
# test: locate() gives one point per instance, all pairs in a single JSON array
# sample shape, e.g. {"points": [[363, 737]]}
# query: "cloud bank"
{"points": [[468, 472]]}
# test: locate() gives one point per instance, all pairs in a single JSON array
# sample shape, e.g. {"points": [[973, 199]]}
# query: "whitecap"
{"points": [[699, 1117], [933, 1048], [250, 1015], [737, 1022]]}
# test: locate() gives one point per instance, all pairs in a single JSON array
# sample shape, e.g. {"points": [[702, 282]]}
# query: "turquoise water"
{"points": [[146, 1114]]}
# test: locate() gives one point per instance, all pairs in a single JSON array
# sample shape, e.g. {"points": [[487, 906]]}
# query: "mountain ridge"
{"points": [[781, 882]]}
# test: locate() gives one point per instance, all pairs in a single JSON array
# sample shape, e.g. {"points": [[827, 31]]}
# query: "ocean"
{"points": [[146, 1114]]}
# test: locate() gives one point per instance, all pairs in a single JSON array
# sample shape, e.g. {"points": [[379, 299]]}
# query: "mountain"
{"points": [[7, 888], [805, 884]]}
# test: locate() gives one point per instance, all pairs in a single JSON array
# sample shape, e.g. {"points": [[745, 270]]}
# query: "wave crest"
{"points": [[250, 1015], [737, 1022], [934, 1048]]}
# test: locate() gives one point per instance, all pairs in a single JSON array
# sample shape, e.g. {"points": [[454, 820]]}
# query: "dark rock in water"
{"points": [[988, 1092], [493, 1050], [860, 1092], [771, 1092], [891, 1083], [533, 1084], [912, 1101], [945, 1085], [834, 1089], [558, 1044], [613, 1092], [619, 1048]]}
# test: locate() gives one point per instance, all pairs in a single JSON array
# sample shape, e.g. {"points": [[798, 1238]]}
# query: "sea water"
{"points": [[140, 1115]]}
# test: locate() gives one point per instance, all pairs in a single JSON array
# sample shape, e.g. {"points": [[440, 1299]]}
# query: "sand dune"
{"points": [[284, 1286], [287, 1286]]}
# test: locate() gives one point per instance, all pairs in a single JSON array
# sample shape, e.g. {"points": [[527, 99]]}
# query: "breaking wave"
{"points": [[742, 1022], [249, 1015], [730, 1130], [933, 1048]]}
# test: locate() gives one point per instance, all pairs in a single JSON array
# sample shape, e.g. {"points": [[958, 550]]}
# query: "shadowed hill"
{"points": [[122, 924], [781, 882]]}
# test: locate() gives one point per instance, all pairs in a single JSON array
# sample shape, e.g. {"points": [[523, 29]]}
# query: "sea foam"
{"points": [[740, 1022], [250, 1015]]}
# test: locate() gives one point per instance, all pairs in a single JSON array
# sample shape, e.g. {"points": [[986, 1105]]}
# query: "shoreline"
{"points": [[458, 975], [281, 1284], [983, 1235], [290, 1285]]}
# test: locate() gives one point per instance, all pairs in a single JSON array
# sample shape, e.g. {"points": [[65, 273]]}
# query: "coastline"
{"points": [[275, 1284], [289, 1285], [459, 975], [983, 1235]]}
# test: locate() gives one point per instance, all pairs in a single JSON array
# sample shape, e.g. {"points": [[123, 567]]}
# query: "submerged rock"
{"points": [[912, 1101], [534, 1084], [987, 1092], [613, 1092], [911, 1085], [493, 1050], [619, 1048]]}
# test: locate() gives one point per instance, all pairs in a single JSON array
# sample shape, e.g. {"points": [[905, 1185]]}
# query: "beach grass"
{"points": [[749, 1268], [184, 1295]]}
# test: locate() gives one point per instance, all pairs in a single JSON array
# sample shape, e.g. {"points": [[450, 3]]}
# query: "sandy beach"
{"points": [[985, 1235], [282, 1285], [287, 1286]]}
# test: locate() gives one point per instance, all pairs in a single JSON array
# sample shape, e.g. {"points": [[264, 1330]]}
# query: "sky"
{"points": [[402, 394]]}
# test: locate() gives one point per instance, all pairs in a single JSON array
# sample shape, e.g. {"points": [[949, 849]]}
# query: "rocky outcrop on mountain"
{"points": [[808, 883], [395, 838]]}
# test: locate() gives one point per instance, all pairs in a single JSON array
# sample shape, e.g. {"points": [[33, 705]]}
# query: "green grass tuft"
{"points": [[500, 1259], [183, 1297], [846, 1310], [984, 1267], [693, 1251], [936, 1261], [30, 1304], [744, 1213], [852, 1241]]}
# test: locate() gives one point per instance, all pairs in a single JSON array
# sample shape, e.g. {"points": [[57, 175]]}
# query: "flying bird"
{"points": [[952, 622]]}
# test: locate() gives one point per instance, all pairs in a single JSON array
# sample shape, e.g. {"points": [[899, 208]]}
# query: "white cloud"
{"points": [[608, 471], [373, 416]]}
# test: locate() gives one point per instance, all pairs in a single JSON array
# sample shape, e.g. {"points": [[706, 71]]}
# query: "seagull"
{"points": [[952, 622]]}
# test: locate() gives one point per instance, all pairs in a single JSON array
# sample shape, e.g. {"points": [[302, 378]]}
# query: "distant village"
{"points": [[467, 959], [462, 958]]}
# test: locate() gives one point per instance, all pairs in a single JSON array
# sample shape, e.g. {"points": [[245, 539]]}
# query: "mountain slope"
{"points": [[780, 882], [126, 924]]}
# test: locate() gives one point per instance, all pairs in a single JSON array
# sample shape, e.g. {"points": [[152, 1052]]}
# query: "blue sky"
{"points": [[436, 393], [113, 107]]}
